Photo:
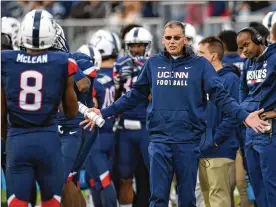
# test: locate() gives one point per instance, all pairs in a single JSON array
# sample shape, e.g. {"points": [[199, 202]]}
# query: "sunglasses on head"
{"points": [[173, 37]]}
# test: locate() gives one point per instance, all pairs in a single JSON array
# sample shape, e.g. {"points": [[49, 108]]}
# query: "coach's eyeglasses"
{"points": [[173, 37]]}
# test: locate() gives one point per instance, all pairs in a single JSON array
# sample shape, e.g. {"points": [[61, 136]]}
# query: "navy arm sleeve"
{"points": [[243, 90], [228, 123], [138, 93], [79, 75], [219, 95]]}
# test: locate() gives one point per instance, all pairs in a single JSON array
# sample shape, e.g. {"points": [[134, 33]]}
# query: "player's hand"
{"points": [[253, 120], [88, 122]]}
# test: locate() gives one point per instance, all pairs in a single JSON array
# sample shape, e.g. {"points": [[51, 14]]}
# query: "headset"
{"points": [[256, 37]]}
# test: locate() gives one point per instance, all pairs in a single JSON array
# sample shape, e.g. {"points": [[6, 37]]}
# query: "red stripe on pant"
{"points": [[105, 179], [51, 203], [15, 202], [92, 182]]}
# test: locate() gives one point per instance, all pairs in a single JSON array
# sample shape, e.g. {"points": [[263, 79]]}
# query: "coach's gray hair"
{"points": [[174, 23]]}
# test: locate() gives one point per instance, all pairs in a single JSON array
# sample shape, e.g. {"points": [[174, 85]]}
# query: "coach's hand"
{"points": [[88, 122], [253, 120]]}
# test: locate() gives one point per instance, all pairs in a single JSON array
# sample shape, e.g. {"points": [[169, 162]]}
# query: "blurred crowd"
{"points": [[129, 11]]}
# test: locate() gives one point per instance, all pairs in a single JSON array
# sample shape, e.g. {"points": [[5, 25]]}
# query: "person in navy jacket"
{"points": [[178, 81], [220, 140], [258, 90], [231, 55]]}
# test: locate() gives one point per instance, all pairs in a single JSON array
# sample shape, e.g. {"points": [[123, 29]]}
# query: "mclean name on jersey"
{"points": [[32, 59]]}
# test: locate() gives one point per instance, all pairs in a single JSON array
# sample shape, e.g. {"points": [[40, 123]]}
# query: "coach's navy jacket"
{"points": [[221, 128], [177, 111]]}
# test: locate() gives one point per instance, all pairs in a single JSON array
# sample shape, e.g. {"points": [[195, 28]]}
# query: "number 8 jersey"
{"points": [[34, 85]]}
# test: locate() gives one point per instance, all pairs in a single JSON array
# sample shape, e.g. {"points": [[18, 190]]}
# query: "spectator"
{"points": [[12, 9], [90, 9], [255, 5], [195, 18], [218, 8], [130, 12], [149, 9]]}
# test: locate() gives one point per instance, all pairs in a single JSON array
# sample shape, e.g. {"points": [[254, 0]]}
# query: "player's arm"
{"points": [[120, 79], [139, 92], [82, 82], [4, 121], [69, 97]]}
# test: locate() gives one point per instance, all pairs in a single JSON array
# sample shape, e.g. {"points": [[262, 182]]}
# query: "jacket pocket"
{"points": [[162, 119]]}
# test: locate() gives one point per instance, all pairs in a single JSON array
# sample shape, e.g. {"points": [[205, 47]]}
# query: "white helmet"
{"points": [[60, 40], [192, 36], [269, 20], [93, 53], [10, 27], [190, 31], [139, 35], [108, 43], [37, 30]]}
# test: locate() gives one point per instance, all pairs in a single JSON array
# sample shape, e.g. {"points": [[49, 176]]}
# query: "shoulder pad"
{"points": [[79, 56]]}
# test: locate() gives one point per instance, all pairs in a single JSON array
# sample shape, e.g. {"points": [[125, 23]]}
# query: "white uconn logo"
{"points": [[172, 78], [257, 76]]}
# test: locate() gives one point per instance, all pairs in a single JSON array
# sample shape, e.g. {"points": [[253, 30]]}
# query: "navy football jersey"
{"points": [[87, 68], [104, 92], [34, 85], [126, 65]]}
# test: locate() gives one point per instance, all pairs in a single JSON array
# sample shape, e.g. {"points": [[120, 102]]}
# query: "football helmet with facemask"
{"points": [[138, 35], [192, 36], [60, 40], [107, 43]]}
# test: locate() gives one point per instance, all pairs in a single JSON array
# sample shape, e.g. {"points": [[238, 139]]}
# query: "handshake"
{"points": [[92, 116]]}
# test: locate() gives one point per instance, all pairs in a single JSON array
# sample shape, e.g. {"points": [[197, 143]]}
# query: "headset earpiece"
{"points": [[256, 37]]}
